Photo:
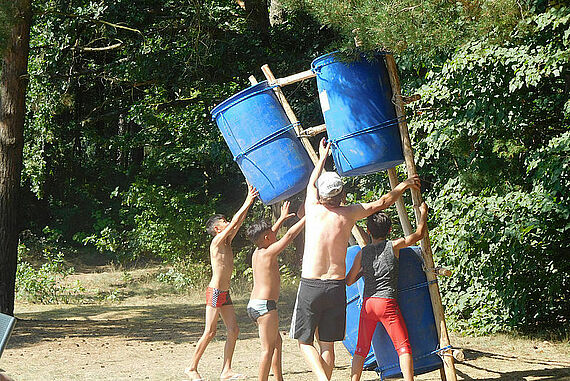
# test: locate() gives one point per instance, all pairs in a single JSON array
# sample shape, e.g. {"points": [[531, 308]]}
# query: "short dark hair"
{"points": [[255, 230], [379, 225], [334, 200], [212, 222]]}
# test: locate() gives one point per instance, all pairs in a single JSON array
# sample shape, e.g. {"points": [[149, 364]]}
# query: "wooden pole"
{"points": [[400, 207], [289, 111], [449, 366], [295, 78], [360, 238]]}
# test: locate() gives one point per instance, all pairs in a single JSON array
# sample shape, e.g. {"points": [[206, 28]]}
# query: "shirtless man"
{"points": [[321, 299], [218, 301], [262, 306]]}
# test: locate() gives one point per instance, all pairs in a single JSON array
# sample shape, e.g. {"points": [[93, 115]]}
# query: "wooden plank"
{"points": [[295, 78], [435, 296], [312, 131]]}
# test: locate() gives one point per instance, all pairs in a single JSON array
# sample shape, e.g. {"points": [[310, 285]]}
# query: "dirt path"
{"points": [[153, 338]]}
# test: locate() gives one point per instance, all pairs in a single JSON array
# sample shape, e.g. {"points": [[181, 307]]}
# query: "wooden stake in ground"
{"points": [[449, 366]]}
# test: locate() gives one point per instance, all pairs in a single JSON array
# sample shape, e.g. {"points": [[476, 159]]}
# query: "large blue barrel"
{"points": [[356, 100], [415, 304], [353, 306], [261, 138]]}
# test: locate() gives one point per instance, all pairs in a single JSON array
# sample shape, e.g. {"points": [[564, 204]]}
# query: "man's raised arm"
{"points": [[238, 218], [312, 193], [360, 211]]}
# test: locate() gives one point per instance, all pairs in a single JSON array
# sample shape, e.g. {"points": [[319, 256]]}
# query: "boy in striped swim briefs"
{"points": [[218, 300], [262, 306]]}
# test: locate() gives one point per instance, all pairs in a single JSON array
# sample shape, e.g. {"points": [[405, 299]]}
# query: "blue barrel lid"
{"points": [[242, 95]]}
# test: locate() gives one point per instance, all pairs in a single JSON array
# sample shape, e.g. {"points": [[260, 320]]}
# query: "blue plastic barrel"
{"points": [[356, 100], [415, 305], [265, 147], [353, 306]]}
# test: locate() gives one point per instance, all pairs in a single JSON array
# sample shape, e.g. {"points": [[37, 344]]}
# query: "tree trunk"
{"points": [[276, 12], [13, 82], [258, 17]]}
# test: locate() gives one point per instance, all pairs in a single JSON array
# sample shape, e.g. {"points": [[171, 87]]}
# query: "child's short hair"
{"points": [[379, 225], [212, 222], [255, 230]]}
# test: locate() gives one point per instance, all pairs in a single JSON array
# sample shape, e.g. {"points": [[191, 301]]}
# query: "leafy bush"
{"points": [[43, 284]]}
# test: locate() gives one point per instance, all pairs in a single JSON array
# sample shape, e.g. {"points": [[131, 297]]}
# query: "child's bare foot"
{"points": [[193, 375], [230, 376]]}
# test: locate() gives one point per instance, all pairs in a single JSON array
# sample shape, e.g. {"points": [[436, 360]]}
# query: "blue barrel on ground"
{"points": [[263, 143], [353, 305], [415, 305], [356, 100]]}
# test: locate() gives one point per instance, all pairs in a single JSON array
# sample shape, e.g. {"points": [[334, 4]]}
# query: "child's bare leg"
{"points": [[314, 360], [268, 331], [356, 370], [212, 315], [407, 366], [229, 317], [276, 363], [327, 354]]}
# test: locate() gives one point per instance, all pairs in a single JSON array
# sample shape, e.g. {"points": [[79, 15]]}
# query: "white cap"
{"points": [[329, 184]]}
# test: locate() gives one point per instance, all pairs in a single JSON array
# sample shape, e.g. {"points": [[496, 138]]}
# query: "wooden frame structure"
{"points": [[447, 353]]}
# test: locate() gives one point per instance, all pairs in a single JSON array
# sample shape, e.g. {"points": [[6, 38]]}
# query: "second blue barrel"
{"points": [[356, 100], [263, 142], [415, 305]]}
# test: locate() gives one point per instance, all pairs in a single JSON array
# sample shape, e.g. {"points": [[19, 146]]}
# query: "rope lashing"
{"points": [[416, 286], [267, 139], [438, 351], [386, 124], [243, 155]]}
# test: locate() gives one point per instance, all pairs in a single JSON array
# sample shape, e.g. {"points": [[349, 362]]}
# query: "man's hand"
{"points": [[324, 148], [285, 211], [252, 194], [413, 182]]}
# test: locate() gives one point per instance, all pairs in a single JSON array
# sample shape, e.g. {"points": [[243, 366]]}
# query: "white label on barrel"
{"points": [[325, 106]]}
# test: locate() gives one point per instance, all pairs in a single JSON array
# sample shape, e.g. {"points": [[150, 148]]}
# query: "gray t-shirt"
{"points": [[380, 270]]}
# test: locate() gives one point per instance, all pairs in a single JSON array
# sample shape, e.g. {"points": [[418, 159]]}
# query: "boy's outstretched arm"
{"points": [[293, 232], [283, 216], [312, 193], [360, 211], [236, 222], [355, 271], [418, 234]]}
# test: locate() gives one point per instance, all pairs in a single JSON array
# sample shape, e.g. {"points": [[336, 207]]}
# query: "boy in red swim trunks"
{"points": [[378, 264], [218, 300]]}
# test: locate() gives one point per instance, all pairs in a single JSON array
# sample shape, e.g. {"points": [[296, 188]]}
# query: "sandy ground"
{"points": [[152, 338]]}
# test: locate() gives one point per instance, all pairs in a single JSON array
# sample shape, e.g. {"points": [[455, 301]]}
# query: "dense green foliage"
{"points": [[491, 134], [121, 154], [121, 151]]}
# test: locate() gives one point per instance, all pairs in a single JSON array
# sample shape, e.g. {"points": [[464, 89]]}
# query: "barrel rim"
{"points": [[239, 97], [330, 58]]}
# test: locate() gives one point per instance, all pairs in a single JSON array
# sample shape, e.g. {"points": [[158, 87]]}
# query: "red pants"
{"points": [[387, 312]]}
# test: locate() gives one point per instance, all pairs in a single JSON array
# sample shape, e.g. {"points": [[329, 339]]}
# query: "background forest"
{"points": [[121, 155]]}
